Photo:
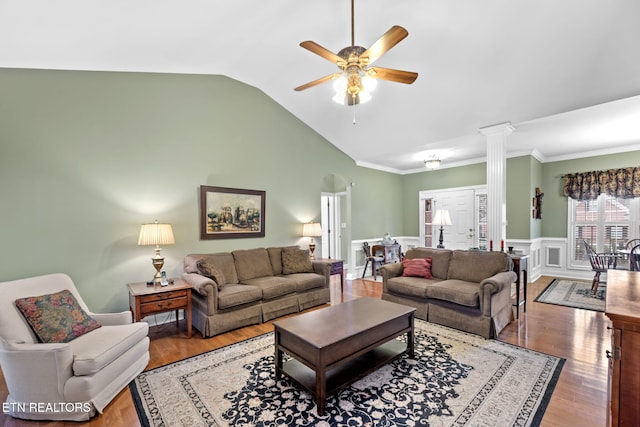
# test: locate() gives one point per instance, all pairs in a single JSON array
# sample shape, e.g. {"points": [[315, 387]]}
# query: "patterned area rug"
{"points": [[456, 379], [573, 293]]}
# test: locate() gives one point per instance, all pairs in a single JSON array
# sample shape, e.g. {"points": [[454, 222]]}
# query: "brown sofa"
{"points": [[470, 290], [245, 287]]}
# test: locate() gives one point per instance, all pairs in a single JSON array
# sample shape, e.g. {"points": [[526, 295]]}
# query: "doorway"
{"points": [[335, 218], [466, 227]]}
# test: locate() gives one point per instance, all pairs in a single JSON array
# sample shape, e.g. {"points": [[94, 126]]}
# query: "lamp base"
{"points": [[158, 262], [312, 248], [441, 239]]}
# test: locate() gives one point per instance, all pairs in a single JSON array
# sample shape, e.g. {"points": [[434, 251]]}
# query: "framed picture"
{"points": [[230, 213]]}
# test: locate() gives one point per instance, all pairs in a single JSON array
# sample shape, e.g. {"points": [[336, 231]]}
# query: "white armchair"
{"points": [[66, 381]]}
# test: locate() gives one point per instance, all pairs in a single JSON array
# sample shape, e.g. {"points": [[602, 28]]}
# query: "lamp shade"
{"points": [[441, 217], [311, 229], [156, 234]]}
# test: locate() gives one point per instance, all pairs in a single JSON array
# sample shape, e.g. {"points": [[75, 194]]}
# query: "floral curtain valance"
{"points": [[623, 183]]}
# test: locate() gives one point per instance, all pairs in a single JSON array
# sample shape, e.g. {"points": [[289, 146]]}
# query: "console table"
{"points": [[520, 268], [622, 306]]}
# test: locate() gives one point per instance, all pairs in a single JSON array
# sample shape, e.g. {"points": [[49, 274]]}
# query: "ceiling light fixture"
{"points": [[432, 163]]}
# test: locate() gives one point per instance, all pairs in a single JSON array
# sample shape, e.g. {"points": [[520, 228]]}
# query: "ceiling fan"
{"points": [[354, 62]]}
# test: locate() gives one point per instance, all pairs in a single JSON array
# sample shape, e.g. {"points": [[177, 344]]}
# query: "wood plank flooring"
{"points": [[579, 336]]}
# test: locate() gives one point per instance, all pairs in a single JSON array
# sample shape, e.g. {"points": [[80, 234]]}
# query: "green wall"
{"points": [[86, 157], [524, 174]]}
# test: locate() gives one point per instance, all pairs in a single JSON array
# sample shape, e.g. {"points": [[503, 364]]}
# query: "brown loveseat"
{"points": [[470, 290], [245, 287]]}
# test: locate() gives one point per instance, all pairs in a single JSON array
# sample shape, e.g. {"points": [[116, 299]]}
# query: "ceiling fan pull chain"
{"points": [[354, 113]]}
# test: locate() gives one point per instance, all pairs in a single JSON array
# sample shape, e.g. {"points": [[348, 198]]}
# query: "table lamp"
{"points": [[311, 229], [441, 218], [156, 234]]}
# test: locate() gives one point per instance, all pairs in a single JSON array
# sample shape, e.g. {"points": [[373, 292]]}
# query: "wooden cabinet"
{"points": [[623, 308], [145, 300]]}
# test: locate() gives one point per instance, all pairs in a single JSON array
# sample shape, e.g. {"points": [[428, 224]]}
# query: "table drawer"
{"points": [[163, 296], [164, 305]]}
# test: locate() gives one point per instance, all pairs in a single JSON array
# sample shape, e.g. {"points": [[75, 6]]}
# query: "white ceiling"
{"points": [[564, 73]]}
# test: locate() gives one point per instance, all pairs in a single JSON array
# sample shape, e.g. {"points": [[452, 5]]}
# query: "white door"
{"points": [[330, 217], [460, 204]]}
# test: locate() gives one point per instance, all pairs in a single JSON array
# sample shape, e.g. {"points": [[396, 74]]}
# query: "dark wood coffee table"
{"points": [[335, 346]]}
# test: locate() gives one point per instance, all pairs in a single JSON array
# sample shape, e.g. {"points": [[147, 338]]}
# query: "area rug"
{"points": [[455, 379], [573, 293]]}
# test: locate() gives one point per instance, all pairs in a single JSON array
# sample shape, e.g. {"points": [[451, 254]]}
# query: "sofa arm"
{"points": [[500, 282], [111, 319], [36, 372], [323, 268], [205, 287], [388, 271]]}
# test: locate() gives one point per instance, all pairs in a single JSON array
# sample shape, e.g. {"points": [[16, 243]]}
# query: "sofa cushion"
{"points": [[414, 287], [439, 259], [306, 281], [296, 261], [208, 269], [456, 291], [223, 262], [92, 352], [252, 263], [235, 295], [485, 264], [56, 317], [273, 286], [275, 256], [417, 267]]}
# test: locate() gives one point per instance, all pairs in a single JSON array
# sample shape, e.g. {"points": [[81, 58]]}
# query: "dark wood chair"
{"points": [[634, 258], [600, 263], [371, 258], [631, 243]]}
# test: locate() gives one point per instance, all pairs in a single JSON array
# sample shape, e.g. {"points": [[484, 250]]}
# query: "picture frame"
{"points": [[231, 213]]}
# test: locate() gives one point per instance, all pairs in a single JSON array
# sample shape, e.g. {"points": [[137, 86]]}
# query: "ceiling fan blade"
{"points": [[318, 81], [384, 43], [406, 77], [319, 50]]}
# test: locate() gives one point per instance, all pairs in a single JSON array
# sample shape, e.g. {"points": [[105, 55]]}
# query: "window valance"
{"points": [[623, 183]]}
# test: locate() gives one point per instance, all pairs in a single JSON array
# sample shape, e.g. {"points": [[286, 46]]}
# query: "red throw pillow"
{"points": [[417, 267]]}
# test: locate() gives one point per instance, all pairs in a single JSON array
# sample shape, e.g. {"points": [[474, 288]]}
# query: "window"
{"points": [[428, 228], [605, 223], [479, 238]]}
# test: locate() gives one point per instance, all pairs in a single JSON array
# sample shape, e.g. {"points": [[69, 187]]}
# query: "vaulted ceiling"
{"points": [[565, 74]]}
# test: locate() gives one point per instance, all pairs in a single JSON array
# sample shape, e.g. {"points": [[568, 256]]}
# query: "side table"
{"points": [[520, 268], [337, 267], [152, 299]]}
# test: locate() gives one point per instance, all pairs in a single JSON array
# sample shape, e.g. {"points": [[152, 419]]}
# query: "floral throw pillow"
{"points": [[208, 269], [417, 267], [296, 261], [56, 317]]}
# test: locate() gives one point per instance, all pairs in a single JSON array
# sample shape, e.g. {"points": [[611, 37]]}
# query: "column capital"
{"points": [[501, 128]]}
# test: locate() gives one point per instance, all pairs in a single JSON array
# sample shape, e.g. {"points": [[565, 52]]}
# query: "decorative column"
{"points": [[496, 136]]}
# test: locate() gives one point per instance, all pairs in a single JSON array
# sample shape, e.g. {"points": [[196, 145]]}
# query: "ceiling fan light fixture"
{"points": [[369, 83]]}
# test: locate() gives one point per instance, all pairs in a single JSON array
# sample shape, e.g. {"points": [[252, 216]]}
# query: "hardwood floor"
{"points": [[579, 336]]}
